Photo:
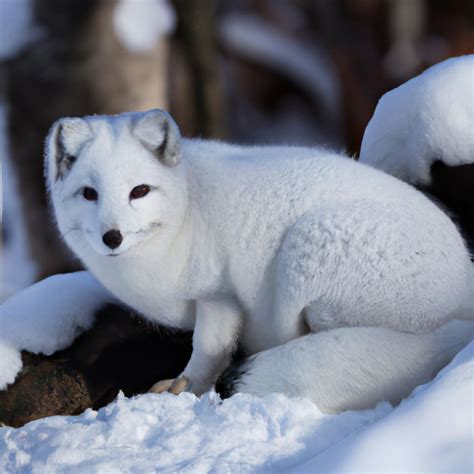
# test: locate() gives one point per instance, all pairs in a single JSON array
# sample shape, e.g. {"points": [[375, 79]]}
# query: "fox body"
{"points": [[256, 245]]}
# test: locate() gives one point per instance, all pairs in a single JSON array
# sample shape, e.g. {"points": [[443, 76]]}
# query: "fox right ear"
{"points": [[159, 133], [64, 142]]}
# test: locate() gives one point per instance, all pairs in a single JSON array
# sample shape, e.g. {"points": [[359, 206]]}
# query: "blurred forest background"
{"points": [[267, 71]]}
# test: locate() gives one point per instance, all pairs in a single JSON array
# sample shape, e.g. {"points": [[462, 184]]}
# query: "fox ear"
{"points": [[158, 132], [64, 142]]}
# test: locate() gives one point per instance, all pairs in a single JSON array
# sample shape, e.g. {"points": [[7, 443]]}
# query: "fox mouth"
{"points": [[149, 229], [145, 233]]}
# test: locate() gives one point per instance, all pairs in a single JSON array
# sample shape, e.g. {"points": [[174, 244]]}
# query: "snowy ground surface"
{"points": [[431, 431]]}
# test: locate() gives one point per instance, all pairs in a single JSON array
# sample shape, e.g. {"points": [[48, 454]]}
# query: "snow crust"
{"points": [[429, 432], [140, 24], [428, 118]]}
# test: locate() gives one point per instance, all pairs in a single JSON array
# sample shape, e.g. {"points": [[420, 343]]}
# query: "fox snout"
{"points": [[113, 238]]}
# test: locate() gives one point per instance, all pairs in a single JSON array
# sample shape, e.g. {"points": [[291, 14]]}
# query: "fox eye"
{"points": [[90, 194], [139, 191]]}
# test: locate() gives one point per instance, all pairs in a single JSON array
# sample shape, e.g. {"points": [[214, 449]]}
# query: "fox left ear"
{"points": [[158, 132], [65, 140]]}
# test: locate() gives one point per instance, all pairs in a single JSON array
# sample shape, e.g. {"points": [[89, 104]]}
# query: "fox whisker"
{"points": [[71, 230]]}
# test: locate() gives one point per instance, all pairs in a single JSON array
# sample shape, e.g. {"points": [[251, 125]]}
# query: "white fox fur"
{"points": [[256, 245], [260, 246], [352, 368]]}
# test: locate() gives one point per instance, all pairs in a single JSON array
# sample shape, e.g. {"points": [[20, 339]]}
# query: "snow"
{"points": [[169, 433], [428, 118], [305, 64], [10, 363], [17, 31], [17, 28], [17, 269], [47, 317], [432, 431], [429, 432], [140, 24]]}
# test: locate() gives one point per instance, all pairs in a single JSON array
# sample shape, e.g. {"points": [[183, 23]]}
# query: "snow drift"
{"points": [[428, 118], [429, 432]]}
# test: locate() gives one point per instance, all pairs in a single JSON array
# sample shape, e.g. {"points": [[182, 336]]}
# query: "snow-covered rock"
{"points": [[430, 432], [429, 118], [47, 317]]}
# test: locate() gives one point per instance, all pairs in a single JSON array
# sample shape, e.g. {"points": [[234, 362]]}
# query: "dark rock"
{"points": [[453, 187], [120, 352]]}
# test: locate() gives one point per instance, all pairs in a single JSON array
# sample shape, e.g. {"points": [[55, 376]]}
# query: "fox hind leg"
{"points": [[348, 368]]}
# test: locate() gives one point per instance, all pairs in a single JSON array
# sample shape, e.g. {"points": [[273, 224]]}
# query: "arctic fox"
{"points": [[256, 245], [260, 246]]}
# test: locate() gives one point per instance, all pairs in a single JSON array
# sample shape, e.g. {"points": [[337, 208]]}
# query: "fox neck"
{"points": [[151, 263]]}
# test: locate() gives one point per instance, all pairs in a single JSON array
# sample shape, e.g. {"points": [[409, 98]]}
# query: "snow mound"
{"points": [[141, 24], [429, 432], [432, 431], [428, 118], [167, 433]]}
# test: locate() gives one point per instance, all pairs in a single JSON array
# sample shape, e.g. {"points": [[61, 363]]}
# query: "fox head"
{"points": [[116, 181]]}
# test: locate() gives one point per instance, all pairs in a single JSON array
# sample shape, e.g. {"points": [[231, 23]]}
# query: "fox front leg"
{"points": [[215, 335]]}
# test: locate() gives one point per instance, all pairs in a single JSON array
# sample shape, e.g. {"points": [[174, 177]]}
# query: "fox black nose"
{"points": [[113, 238]]}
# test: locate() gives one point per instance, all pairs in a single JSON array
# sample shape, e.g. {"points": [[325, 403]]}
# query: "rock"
{"points": [[120, 352]]}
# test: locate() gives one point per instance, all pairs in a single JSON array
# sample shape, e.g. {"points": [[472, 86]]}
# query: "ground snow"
{"points": [[429, 432]]}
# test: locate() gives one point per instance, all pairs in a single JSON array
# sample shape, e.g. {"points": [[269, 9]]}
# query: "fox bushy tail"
{"points": [[350, 368]]}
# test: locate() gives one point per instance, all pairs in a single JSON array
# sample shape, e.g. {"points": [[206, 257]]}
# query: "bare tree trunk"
{"points": [[197, 33]]}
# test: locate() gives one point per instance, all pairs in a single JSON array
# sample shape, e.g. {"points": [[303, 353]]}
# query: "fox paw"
{"points": [[174, 386]]}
